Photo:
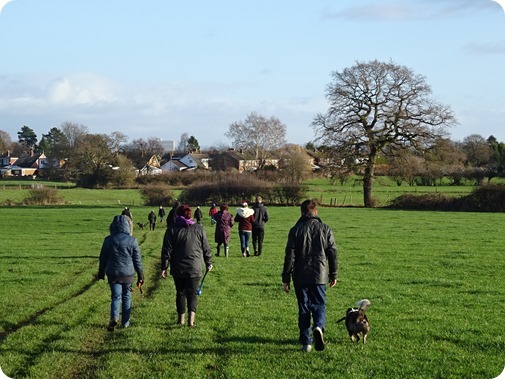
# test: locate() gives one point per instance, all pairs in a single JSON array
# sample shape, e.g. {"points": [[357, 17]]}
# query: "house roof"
{"points": [[27, 161]]}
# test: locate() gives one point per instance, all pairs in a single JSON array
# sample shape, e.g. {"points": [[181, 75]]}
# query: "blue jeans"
{"points": [[311, 301], [244, 238], [121, 294]]}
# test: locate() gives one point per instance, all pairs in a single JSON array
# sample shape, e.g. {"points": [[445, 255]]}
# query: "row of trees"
{"points": [[381, 116]]}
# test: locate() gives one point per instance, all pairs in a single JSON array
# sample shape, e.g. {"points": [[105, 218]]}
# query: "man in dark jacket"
{"points": [[120, 259], [258, 230], [152, 220], [185, 249], [311, 259]]}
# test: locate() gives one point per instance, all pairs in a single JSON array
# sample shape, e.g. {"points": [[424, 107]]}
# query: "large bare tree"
{"points": [[379, 108], [258, 134]]}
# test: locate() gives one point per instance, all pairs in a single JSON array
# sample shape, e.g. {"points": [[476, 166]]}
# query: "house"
{"points": [[27, 165], [240, 161], [7, 160], [190, 161], [173, 165], [193, 160], [152, 167]]}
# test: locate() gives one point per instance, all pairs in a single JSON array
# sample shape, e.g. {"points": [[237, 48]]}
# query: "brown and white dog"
{"points": [[356, 321]]}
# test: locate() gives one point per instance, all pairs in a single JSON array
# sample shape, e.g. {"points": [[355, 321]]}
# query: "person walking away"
{"points": [[245, 219], [212, 213], [127, 212], [171, 214], [152, 220], [120, 259], [258, 227], [198, 215], [311, 260], [224, 223], [161, 213], [185, 250]]}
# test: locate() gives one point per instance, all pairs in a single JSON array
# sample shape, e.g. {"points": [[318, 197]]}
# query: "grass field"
{"points": [[434, 279]]}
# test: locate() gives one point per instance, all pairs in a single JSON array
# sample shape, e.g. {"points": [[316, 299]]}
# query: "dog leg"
{"points": [[364, 339]]}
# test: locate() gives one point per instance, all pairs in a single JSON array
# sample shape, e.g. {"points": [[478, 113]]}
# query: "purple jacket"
{"points": [[224, 222]]}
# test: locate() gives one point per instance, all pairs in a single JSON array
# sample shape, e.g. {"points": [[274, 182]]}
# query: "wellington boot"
{"points": [[191, 320], [226, 251], [218, 251], [180, 318]]}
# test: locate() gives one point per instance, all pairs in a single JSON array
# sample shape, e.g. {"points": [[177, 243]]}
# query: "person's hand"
{"points": [[286, 287], [333, 282], [140, 282], [164, 274], [209, 267]]}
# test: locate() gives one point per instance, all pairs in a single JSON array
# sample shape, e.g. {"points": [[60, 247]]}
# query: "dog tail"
{"points": [[364, 304], [342, 319]]}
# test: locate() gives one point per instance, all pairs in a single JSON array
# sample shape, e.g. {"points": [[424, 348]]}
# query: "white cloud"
{"points": [[408, 10], [486, 48]]}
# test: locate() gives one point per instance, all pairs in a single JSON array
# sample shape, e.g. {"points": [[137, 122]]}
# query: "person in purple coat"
{"points": [[224, 223]]}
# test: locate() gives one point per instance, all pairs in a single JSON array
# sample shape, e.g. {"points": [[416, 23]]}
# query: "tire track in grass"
{"points": [[97, 347], [91, 346], [33, 318]]}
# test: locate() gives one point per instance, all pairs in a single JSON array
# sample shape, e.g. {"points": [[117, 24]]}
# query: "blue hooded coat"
{"points": [[120, 256]]}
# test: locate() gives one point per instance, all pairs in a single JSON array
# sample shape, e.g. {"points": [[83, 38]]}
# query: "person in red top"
{"points": [[245, 219], [212, 212]]}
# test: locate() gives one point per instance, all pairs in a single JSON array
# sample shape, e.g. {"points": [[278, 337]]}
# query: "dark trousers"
{"points": [[311, 302], [258, 234], [185, 291], [152, 225]]}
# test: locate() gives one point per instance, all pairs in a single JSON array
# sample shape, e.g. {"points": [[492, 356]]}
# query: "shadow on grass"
{"points": [[33, 318]]}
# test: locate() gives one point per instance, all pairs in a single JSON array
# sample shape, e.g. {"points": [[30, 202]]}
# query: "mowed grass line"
{"points": [[433, 279]]}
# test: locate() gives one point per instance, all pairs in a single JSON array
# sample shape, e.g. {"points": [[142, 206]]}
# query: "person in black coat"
{"points": [[161, 213], [311, 260], [152, 220], [171, 214], [120, 259], [185, 250], [258, 226], [198, 215]]}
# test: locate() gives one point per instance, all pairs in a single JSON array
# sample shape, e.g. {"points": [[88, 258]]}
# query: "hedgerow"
{"points": [[490, 198]]}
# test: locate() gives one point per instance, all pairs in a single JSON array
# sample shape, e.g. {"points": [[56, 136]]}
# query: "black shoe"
{"points": [[112, 325], [318, 339]]}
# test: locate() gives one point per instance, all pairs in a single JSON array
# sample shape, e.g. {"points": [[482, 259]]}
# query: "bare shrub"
{"points": [[43, 196], [157, 194]]}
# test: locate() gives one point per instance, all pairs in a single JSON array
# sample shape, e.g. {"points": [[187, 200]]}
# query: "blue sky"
{"points": [[158, 68]]}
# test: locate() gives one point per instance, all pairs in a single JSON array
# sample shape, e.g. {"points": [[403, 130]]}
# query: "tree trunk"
{"points": [[368, 180]]}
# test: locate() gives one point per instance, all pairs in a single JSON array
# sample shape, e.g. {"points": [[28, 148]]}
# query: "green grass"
{"points": [[384, 190], [434, 279]]}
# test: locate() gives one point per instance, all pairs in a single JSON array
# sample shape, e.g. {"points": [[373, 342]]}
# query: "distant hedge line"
{"points": [[490, 198], [231, 191], [234, 190]]}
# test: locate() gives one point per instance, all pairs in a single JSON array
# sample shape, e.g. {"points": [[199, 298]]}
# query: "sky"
{"points": [[160, 68]]}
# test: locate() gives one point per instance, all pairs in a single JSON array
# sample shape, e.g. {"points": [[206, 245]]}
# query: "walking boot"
{"points": [[247, 254], [243, 252], [180, 318], [191, 320]]}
